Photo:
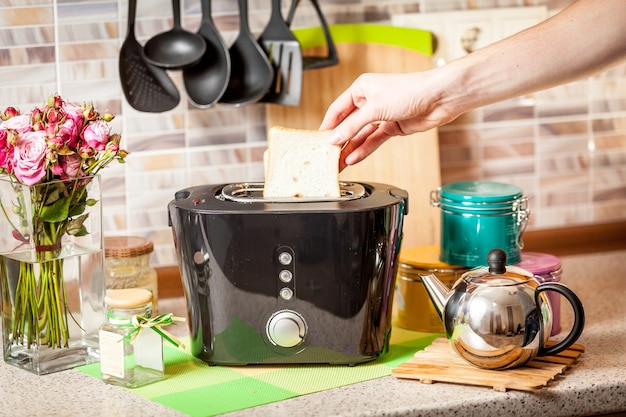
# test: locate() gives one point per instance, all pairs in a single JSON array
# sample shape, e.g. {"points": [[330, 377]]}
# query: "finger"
{"points": [[355, 143], [338, 111], [358, 121], [369, 145], [348, 148]]}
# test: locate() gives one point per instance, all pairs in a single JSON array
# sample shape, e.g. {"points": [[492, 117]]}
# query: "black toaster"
{"points": [[290, 280]]}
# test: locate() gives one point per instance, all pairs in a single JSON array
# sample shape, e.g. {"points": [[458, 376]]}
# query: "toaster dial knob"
{"points": [[286, 328]]}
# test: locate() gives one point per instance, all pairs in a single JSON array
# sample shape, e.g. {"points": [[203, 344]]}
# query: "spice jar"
{"points": [[546, 268], [130, 355], [415, 310], [127, 264]]}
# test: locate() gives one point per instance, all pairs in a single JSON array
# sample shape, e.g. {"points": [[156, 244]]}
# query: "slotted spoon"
{"points": [[147, 88]]}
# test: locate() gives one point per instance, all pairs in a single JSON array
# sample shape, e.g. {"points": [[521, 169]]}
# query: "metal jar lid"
{"points": [[126, 246], [425, 258], [480, 198], [480, 192], [541, 264]]}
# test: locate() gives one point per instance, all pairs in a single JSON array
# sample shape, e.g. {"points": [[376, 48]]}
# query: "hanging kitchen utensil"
{"points": [[206, 81], [285, 54], [251, 73], [177, 48], [312, 62], [146, 87]]}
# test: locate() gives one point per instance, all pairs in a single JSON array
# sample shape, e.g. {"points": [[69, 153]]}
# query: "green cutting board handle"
{"points": [[415, 39]]}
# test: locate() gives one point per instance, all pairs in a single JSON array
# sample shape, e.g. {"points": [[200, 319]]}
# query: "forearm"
{"points": [[587, 37]]}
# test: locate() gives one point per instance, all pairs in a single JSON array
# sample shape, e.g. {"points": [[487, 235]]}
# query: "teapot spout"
{"points": [[437, 291]]}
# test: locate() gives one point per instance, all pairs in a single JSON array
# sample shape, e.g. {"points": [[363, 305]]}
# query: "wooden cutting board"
{"points": [[410, 162]]}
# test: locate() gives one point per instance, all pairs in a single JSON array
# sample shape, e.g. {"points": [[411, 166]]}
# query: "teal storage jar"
{"points": [[478, 216]]}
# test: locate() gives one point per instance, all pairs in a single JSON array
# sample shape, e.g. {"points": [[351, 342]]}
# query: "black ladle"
{"points": [[176, 48], [251, 73], [206, 81]]}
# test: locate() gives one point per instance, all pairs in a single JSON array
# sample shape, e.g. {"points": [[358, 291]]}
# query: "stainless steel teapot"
{"points": [[499, 317]]}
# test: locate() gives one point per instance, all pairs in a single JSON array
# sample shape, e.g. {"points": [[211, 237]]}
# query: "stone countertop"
{"points": [[595, 385]]}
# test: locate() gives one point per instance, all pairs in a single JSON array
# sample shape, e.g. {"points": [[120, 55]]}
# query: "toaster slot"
{"points": [[252, 192]]}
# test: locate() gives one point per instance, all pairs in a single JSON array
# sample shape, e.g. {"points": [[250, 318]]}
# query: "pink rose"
{"points": [[71, 165], [68, 132], [29, 157], [9, 112], [5, 152], [55, 115], [6, 162], [20, 123], [97, 134], [86, 152], [74, 112], [113, 147], [56, 169]]}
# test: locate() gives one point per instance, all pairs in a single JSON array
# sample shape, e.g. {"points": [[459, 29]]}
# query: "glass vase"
{"points": [[51, 273]]}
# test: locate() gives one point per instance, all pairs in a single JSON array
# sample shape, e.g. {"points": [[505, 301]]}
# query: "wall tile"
{"points": [[518, 109], [12, 36], [27, 55], [26, 16], [509, 167], [608, 212]]}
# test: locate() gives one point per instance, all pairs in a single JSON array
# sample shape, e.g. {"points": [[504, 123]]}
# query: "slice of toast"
{"points": [[301, 163]]}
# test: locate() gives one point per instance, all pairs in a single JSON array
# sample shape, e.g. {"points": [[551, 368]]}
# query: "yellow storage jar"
{"points": [[415, 311]]}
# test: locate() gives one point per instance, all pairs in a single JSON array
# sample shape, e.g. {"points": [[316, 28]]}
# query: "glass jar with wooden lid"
{"points": [[127, 264]]}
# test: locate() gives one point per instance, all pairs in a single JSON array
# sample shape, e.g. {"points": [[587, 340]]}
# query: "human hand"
{"points": [[377, 107]]}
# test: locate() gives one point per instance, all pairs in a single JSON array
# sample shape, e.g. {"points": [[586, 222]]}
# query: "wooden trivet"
{"points": [[439, 363]]}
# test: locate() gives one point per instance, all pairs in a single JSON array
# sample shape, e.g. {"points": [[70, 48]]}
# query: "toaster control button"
{"points": [[285, 258], [285, 275], [286, 329], [286, 293]]}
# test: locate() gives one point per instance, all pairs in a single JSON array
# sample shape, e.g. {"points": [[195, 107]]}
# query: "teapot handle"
{"points": [[579, 317]]}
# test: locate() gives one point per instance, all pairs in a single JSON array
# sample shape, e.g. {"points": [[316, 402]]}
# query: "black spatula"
{"points": [[285, 54], [313, 62], [146, 87]]}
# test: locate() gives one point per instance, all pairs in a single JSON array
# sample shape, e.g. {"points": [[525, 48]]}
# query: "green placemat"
{"points": [[199, 390]]}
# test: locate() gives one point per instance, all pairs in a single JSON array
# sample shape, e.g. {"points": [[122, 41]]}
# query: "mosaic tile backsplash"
{"points": [[566, 147]]}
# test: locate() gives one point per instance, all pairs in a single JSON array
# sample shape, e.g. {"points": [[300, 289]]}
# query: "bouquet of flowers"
{"points": [[53, 151]]}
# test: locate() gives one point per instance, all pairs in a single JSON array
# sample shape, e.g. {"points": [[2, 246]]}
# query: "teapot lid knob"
{"points": [[496, 259]]}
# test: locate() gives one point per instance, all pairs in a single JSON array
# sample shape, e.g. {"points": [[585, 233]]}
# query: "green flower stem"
{"points": [[59, 331], [25, 318], [40, 313]]}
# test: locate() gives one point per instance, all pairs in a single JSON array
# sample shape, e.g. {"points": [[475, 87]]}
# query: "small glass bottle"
{"points": [[129, 360], [127, 262]]}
